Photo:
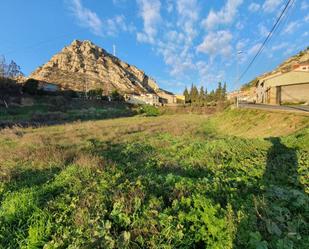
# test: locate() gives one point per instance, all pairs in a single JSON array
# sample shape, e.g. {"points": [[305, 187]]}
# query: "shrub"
{"points": [[116, 96], [31, 86], [149, 110], [58, 103]]}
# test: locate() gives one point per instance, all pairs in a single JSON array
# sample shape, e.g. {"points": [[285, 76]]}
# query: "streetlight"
{"points": [[239, 52]]}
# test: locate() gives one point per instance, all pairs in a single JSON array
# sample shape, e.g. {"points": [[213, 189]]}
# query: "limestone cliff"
{"points": [[83, 66]]}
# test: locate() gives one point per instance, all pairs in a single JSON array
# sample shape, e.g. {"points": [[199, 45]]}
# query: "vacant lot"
{"points": [[238, 179]]}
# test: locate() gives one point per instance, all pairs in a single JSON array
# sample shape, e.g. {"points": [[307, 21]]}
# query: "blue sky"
{"points": [[177, 42]]}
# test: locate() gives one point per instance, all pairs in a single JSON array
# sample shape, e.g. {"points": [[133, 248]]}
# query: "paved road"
{"points": [[296, 108]]}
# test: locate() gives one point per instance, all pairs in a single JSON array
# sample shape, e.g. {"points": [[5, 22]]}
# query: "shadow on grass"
{"points": [[276, 216], [275, 206], [31, 178]]}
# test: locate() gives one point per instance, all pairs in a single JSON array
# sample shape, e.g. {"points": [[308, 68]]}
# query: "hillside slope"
{"points": [[83, 66], [289, 64]]}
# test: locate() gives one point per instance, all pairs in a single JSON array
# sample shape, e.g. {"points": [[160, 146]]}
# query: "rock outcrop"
{"points": [[289, 64], [82, 66]]}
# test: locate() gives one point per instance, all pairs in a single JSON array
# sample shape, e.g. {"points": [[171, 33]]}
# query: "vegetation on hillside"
{"points": [[156, 182]]}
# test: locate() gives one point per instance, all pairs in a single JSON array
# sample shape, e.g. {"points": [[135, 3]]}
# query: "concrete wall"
{"points": [[295, 93], [287, 87], [289, 78]]}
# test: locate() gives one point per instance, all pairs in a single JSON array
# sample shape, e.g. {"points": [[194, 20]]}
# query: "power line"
{"points": [[266, 40]]}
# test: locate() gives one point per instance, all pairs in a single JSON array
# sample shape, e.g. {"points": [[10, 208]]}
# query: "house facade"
{"points": [[166, 98], [281, 88], [148, 98]]}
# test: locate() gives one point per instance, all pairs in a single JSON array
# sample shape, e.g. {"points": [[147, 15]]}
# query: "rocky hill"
{"points": [[289, 64], [83, 66]]}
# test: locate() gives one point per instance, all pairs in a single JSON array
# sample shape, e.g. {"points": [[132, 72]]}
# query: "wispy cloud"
{"points": [[86, 17], [271, 5], [304, 5], [98, 26], [224, 16], [292, 26], [149, 10], [217, 43], [254, 7]]}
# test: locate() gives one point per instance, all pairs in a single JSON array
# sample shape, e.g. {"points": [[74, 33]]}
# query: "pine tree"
{"points": [[202, 95], [218, 93], [194, 94], [187, 95], [224, 91]]}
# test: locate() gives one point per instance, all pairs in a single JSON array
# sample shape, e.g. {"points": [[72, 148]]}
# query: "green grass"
{"points": [[175, 181], [59, 109]]}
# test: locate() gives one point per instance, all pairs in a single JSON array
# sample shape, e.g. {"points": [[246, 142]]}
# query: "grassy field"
{"points": [[237, 179], [57, 109]]}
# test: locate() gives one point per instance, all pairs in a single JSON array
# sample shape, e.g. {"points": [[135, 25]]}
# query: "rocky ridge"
{"points": [[82, 66]]}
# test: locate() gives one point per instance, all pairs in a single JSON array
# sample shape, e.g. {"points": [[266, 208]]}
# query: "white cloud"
{"points": [[254, 49], [292, 26], [254, 7], [224, 16], [271, 5], [116, 24], [149, 10], [263, 30], [304, 5], [119, 2], [217, 43], [188, 12], [306, 19], [89, 19], [86, 17], [170, 6], [280, 46]]}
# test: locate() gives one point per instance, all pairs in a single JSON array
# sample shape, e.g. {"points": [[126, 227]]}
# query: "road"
{"points": [[296, 108]]}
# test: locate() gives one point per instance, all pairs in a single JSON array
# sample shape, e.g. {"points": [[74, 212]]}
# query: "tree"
{"points": [[31, 86], [2, 67], [95, 93], [194, 94], [218, 92], [224, 91], [116, 96], [13, 70], [202, 95], [187, 95]]}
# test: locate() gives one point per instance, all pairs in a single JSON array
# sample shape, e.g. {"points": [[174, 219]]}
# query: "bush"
{"points": [[58, 103], [116, 96], [95, 94], [49, 117], [149, 110], [31, 86]]}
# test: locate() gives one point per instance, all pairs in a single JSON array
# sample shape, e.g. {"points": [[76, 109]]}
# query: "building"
{"points": [[248, 95], [281, 88], [48, 87], [166, 98], [180, 99], [148, 98]]}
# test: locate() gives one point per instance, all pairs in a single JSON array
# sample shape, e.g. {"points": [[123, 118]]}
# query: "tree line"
{"points": [[202, 96]]}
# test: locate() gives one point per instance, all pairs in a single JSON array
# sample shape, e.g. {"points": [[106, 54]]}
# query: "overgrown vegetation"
{"points": [[59, 109], [159, 182]]}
